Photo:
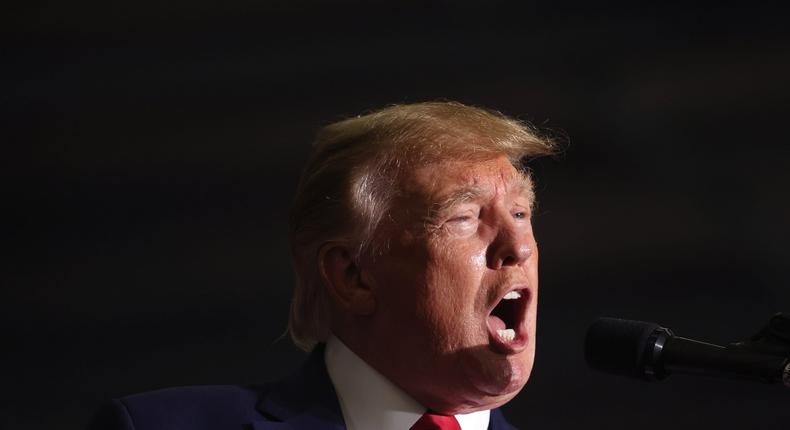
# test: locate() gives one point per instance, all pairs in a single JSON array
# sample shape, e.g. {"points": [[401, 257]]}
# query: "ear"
{"points": [[343, 278]]}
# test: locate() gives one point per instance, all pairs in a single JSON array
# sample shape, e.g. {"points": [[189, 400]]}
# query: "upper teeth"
{"points": [[512, 295]]}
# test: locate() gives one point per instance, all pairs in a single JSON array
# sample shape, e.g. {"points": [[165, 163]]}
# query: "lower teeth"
{"points": [[507, 334]]}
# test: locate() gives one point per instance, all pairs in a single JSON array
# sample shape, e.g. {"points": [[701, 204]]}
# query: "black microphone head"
{"points": [[618, 346]]}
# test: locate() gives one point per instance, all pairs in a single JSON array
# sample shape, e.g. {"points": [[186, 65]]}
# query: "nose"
{"points": [[512, 246]]}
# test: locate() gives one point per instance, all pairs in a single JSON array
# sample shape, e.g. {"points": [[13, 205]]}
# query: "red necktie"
{"points": [[431, 421]]}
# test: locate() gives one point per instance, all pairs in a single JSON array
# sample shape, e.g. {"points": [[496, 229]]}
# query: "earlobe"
{"points": [[344, 279]]}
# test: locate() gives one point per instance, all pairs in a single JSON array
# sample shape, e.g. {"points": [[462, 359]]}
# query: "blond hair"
{"points": [[351, 176]]}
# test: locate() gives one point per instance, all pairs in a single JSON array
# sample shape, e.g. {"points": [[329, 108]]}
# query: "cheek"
{"points": [[456, 272], [466, 267], [477, 260], [452, 289], [461, 260]]}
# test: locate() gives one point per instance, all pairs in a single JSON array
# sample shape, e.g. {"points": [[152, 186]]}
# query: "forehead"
{"points": [[436, 181]]}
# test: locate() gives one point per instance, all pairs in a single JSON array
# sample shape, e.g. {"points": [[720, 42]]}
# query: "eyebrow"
{"points": [[472, 193]]}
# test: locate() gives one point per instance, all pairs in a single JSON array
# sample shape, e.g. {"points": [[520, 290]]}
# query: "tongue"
{"points": [[496, 323]]}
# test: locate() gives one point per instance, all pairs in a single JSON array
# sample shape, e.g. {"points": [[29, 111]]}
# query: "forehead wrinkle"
{"points": [[514, 184], [465, 194], [519, 184], [511, 182]]}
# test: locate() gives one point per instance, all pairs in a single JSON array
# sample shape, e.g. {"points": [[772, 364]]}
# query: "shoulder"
{"points": [[197, 407], [498, 422]]}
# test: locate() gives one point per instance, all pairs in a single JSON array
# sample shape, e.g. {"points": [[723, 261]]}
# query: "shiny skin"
{"points": [[438, 279]]}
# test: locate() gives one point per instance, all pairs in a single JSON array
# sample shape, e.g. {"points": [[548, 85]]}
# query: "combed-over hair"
{"points": [[351, 177]]}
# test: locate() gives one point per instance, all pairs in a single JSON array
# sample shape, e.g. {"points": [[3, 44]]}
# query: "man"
{"points": [[417, 283]]}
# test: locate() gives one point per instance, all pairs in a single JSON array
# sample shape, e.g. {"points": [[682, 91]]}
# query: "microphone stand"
{"points": [[773, 339]]}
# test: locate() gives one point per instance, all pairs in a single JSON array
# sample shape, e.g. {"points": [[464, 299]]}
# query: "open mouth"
{"points": [[506, 320]]}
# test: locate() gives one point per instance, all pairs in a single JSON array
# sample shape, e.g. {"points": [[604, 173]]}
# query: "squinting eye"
{"points": [[462, 218], [520, 215], [462, 224]]}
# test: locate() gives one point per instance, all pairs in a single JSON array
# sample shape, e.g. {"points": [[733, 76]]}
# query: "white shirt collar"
{"points": [[368, 400]]}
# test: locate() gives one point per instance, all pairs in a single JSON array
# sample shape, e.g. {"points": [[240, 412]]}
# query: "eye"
{"points": [[465, 213], [463, 223], [461, 218], [520, 212]]}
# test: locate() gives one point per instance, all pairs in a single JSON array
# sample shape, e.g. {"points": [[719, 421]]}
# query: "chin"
{"points": [[494, 379], [506, 375]]}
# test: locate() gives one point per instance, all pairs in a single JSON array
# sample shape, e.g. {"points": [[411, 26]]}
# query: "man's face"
{"points": [[456, 287]]}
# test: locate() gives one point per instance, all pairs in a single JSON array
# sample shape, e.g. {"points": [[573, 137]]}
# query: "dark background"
{"points": [[152, 148]]}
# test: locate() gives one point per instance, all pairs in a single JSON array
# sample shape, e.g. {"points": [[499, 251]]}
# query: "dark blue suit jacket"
{"points": [[305, 400]]}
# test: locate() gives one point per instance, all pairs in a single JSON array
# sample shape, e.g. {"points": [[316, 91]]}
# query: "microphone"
{"points": [[648, 351]]}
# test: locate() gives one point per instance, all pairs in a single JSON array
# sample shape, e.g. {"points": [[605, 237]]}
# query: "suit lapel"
{"points": [[497, 421], [305, 400]]}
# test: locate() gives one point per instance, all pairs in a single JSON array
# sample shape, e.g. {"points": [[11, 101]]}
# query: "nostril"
{"points": [[508, 250]]}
